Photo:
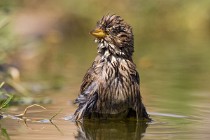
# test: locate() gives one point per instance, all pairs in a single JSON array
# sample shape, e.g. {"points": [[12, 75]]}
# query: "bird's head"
{"points": [[114, 35]]}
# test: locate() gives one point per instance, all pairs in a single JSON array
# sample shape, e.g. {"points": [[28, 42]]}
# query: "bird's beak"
{"points": [[99, 33]]}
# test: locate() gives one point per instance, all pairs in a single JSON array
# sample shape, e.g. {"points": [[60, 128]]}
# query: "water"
{"points": [[173, 84], [164, 126]]}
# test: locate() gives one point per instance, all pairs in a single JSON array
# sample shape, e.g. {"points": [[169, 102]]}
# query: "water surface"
{"points": [[174, 86]]}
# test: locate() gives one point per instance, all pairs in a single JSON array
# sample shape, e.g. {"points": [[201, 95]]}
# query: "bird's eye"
{"points": [[109, 31], [114, 31]]}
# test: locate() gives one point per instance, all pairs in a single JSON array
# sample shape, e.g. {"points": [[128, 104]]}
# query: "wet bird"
{"points": [[110, 88]]}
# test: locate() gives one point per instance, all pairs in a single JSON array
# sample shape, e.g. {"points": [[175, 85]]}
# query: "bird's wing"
{"points": [[140, 108], [88, 95]]}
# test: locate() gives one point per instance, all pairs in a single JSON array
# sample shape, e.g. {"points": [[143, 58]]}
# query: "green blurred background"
{"points": [[49, 41]]}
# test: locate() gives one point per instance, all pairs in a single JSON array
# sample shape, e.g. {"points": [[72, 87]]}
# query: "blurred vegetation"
{"points": [[6, 38], [4, 103], [4, 134]]}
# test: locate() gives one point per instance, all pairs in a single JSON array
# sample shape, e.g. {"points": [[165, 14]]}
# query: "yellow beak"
{"points": [[99, 33]]}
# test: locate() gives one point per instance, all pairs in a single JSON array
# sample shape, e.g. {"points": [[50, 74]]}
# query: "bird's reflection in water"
{"points": [[110, 130]]}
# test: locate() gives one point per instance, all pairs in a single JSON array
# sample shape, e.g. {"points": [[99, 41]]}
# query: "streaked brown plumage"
{"points": [[110, 88]]}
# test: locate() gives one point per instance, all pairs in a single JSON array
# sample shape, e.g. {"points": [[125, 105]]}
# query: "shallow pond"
{"points": [[174, 86]]}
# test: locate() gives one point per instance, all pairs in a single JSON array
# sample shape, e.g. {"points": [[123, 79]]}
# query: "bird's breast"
{"points": [[115, 84]]}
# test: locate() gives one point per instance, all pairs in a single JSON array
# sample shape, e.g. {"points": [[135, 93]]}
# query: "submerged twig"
{"points": [[55, 115], [56, 127], [21, 115], [55, 124]]}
